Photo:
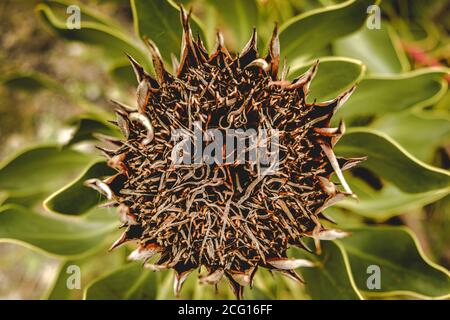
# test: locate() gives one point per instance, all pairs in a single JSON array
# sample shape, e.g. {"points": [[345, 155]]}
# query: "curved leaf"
{"points": [[390, 161], [91, 267], [88, 14], [76, 198], [378, 49], [334, 76], [404, 268], [307, 33], [378, 95], [35, 81], [331, 278], [25, 199], [160, 21], [113, 43], [88, 125], [31, 82], [54, 234], [130, 282], [431, 130], [40, 169], [390, 201]]}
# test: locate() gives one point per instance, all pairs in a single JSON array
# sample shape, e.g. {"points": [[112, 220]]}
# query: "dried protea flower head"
{"points": [[227, 217]]}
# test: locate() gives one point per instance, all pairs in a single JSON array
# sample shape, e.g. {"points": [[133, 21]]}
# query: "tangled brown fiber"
{"points": [[225, 216]]}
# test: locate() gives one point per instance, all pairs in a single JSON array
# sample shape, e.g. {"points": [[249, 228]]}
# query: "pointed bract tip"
{"points": [[289, 264], [179, 279], [158, 63], [121, 106], [100, 186], [122, 239], [251, 46], [137, 68], [144, 252], [213, 277], [329, 234]]}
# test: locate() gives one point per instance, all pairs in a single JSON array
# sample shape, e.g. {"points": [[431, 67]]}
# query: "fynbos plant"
{"points": [[225, 216], [231, 163]]}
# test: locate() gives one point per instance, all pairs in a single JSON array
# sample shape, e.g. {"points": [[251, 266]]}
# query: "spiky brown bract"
{"points": [[226, 217]]}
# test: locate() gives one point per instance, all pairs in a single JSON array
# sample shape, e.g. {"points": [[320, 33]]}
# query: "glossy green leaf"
{"points": [[112, 41], [390, 201], [241, 16], [404, 268], [134, 282], [33, 82], [131, 282], [334, 76], [40, 169], [331, 279], [55, 234], [390, 161], [378, 49], [421, 132], [76, 198], [379, 95], [444, 102], [344, 218], [88, 125], [91, 267], [87, 12], [302, 36], [25, 199], [160, 21]]}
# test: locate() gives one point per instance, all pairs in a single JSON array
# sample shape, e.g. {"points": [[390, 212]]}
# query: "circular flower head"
{"points": [[223, 164]]}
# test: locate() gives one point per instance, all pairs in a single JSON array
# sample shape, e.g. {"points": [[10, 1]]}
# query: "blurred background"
{"points": [[45, 80]]}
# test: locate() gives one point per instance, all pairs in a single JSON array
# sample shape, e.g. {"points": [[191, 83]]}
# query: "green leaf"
{"points": [[331, 279], [26, 199], [378, 49], [91, 267], [36, 81], [160, 21], [76, 199], [404, 268], [389, 160], [379, 95], [431, 130], [334, 76], [88, 125], [87, 13], [56, 234], [134, 282], [40, 169], [444, 102], [130, 282], [302, 36], [30, 82], [112, 41], [241, 16], [390, 201]]}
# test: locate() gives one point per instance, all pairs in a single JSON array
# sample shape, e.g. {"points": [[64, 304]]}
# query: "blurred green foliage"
{"points": [[398, 116]]}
